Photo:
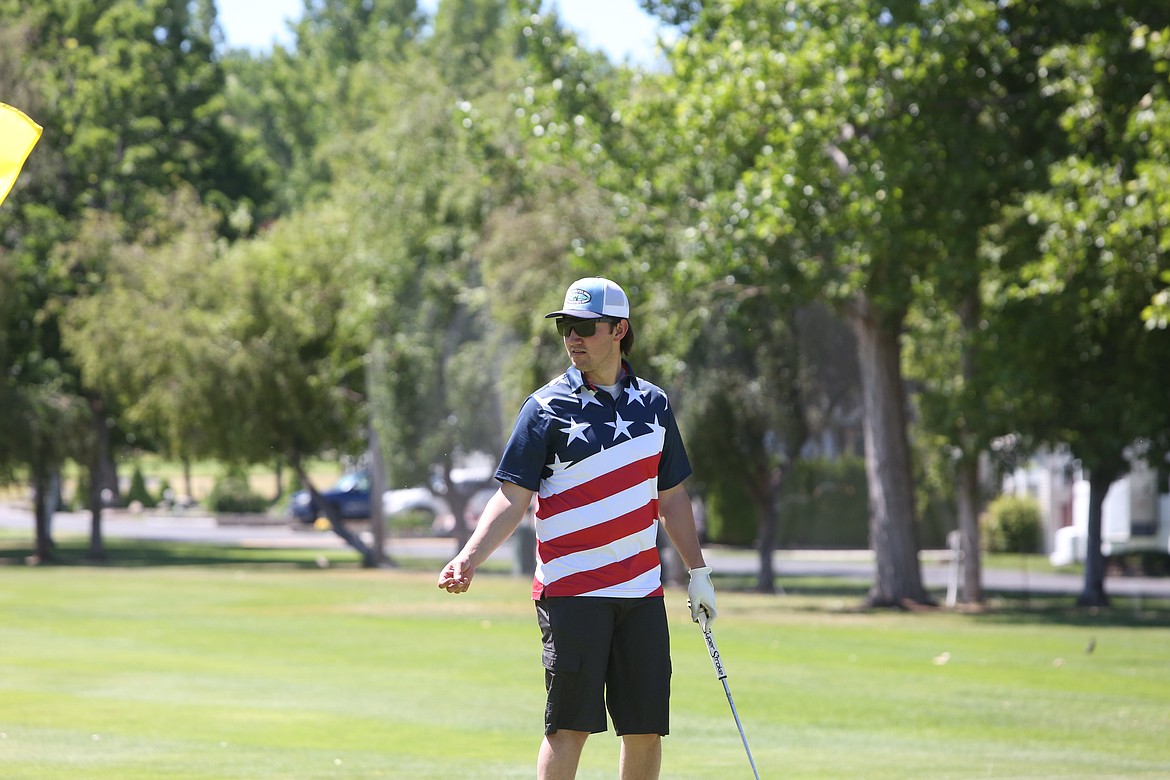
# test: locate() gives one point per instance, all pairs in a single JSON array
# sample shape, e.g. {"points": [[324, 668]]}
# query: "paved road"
{"points": [[852, 565]]}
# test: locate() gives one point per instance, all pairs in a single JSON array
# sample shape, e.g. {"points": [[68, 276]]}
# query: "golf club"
{"points": [[722, 675]]}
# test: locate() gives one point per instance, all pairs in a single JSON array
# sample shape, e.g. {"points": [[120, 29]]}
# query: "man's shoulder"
{"points": [[647, 389], [558, 385], [559, 390]]}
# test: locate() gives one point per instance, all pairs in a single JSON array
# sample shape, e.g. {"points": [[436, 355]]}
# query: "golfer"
{"points": [[600, 449]]}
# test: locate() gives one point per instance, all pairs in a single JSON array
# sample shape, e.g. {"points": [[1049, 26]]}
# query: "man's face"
{"points": [[598, 352]]}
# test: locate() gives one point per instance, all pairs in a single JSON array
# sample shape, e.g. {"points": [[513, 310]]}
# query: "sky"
{"points": [[618, 27]]}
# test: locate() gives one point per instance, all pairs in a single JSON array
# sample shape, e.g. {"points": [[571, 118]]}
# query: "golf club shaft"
{"points": [[721, 673]]}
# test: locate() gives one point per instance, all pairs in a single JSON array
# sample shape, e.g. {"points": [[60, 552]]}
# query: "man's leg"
{"points": [[559, 755], [641, 756]]}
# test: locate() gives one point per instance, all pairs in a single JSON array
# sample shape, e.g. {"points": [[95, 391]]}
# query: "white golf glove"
{"points": [[701, 594]]}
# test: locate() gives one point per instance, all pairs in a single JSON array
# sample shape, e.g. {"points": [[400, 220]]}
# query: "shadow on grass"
{"points": [[145, 554], [827, 594], [1062, 610], [137, 554], [810, 594]]}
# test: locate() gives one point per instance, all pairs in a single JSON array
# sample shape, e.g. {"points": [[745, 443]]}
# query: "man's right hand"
{"points": [[456, 576]]}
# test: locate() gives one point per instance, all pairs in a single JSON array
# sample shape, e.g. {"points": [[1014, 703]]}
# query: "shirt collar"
{"points": [[577, 381]]}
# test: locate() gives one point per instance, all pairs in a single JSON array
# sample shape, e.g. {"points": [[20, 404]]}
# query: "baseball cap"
{"points": [[594, 297]]}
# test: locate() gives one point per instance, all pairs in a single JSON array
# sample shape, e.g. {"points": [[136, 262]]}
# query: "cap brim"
{"points": [[580, 314]]}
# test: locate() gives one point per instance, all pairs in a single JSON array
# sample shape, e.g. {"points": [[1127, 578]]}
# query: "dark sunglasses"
{"points": [[584, 328]]}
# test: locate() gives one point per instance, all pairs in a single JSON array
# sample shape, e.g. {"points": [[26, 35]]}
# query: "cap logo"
{"points": [[578, 296]]}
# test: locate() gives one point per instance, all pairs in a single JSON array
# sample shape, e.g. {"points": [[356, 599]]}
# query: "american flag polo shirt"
{"points": [[596, 464]]}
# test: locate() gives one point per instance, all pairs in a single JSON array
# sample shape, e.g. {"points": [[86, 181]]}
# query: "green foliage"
{"points": [[1012, 524], [80, 499], [414, 522], [233, 493], [129, 95], [441, 180], [731, 515], [825, 504], [138, 490]]}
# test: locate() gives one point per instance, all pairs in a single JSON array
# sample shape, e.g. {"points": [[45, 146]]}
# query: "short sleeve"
{"points": [[674, 466], [526, 453]]}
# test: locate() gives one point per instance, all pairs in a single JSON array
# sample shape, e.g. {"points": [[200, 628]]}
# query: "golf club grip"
{"points": [[713, 651]]}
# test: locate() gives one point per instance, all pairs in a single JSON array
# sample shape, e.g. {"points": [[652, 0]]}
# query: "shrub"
{"points": [[138, 491], [731, 517], [413, 522], [232, 493], [1012, 525], [80, 498], [823, 503]]}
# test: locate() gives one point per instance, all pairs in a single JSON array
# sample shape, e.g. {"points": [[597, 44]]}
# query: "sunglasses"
{"points": [[584, 328]]}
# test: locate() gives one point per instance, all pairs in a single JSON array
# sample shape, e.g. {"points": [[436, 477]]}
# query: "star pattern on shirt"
{"points": [[576, 430], [586, 397], [655, 426], [559, 465], [545, 403], [635, 395], [621, 427]]}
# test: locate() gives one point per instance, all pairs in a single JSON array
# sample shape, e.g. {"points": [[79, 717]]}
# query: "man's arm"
{"points": [[500, 518], [678, 518]]}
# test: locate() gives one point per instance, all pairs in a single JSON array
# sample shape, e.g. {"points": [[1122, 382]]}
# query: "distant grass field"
{"points": [[209, 663], [204, 474]]}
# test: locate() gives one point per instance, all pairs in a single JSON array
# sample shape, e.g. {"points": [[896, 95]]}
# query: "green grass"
{"points": [[204, 475], [263, 664]]}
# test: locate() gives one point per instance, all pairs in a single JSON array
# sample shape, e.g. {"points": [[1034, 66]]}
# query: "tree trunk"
{"points": [[967, 504], [766, 533], [98, 458], [43, 545], [898, 578], [967, 494], [1093, 593], [187, 483], [766, 497], [109, 471], [369, 558], [458, 497], [278, 473], [377, 488]]}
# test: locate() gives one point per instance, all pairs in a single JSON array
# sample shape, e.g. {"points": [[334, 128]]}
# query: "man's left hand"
{"points": [[701, 594]]}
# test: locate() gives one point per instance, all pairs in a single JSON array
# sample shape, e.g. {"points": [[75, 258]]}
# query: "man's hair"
{"points": [[628, 339]]}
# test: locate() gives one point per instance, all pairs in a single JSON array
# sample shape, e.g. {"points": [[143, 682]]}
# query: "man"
{"points": [[600, 449]]}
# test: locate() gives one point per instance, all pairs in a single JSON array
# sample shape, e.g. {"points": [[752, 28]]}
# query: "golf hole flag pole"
{"points": [[713, 651], [18, 136]]}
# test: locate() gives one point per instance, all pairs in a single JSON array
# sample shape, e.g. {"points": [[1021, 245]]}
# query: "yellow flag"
{"points": [[18, 136]]}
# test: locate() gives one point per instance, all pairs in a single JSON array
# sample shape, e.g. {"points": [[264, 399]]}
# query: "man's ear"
{"points": [[621, 329]]}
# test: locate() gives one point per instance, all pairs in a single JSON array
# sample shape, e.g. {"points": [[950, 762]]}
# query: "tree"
{"points": [[1077, 263], [300, 105], [748, 413], [639, 206], [124, 334], [286, 369], [851, 128], [423, 196], [130, 101]]}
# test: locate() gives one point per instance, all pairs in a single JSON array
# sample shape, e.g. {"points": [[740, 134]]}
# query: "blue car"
{"points": [[351, 494]]}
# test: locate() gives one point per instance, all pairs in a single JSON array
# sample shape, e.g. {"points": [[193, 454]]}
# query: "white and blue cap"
{"points": [[594, 297]]}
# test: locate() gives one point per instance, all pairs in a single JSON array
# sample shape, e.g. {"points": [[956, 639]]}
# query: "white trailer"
{"points": [[1135, 519]]}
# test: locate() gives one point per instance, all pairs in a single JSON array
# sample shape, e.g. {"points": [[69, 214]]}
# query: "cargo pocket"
{"points": [[559, 669], [560, 663]]}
